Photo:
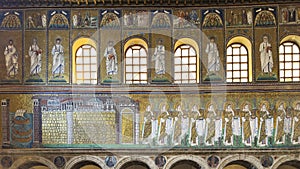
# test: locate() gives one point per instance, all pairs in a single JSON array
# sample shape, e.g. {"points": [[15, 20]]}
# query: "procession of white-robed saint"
{"points": [[232, 126]]}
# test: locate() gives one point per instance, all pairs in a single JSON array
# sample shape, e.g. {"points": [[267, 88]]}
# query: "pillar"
{"points": [[70, 124], [5, 123], [37, 123]]}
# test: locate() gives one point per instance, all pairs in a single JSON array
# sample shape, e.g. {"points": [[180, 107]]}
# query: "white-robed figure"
{"points": [[111, 59], [249, 126], [288, 123], [58, 59], [147, 125], [154, 129], [236, 126], [266, 58], [266, 126], [35, 54], [11, 59], [169, 129], [185, 129], [232, 125], [194, 115], [164, 126], [159, 58], [200, 126], [279, 137], [212, 56], [213, 126]]}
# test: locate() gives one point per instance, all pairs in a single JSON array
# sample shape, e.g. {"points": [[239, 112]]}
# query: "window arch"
{"points": [[237, 63], [185, 64], [136, 62], [239, 60], [85, 61], [289, 62]]}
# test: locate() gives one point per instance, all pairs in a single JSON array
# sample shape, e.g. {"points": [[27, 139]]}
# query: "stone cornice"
{"points": [[135, 3], [128, 89]]}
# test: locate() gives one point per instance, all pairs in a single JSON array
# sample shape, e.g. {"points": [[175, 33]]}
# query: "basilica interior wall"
{"points": [[76, 27]]}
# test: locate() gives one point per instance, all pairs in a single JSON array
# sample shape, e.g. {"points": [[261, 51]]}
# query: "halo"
{"points": [[159, 39], [194, 104], [244, 104], [268, 36], [229, 103], [264, 103], [162, 104], [278, 103], [208, 104], [295, 103], [58, 38], [177, 104]]}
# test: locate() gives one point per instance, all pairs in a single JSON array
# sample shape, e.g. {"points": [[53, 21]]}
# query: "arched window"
{"points": [[237, 67], [289, 62], [185, 64], [86, 65], [136, 65]]}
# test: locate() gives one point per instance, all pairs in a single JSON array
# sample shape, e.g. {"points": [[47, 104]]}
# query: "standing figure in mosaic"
{"points": [[249, 125], [169, 129], [287, 126], [111, 59], [236, 128], [162, 131], [244, 17], [177, 115], [200, 128], [266, 58], [147, 125], [228, 126], [194, 115], [210, 125], [279, 129], [35, 54], [185, 130], [44, 20], [38, 20], [159, 58], [30, 22], [213, 56], [265, 126], [296, 125], [11, 59], [58, 59]]}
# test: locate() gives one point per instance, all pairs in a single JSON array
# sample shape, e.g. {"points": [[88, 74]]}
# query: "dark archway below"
{"points": [[33, 165], [83, 164], [240, 163], [294, 164], [135, 165], [186, 164]]}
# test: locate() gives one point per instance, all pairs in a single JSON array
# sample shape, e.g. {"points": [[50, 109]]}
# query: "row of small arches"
{"points": [[238, 161]]}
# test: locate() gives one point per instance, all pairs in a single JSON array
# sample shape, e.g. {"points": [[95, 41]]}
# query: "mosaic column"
{"points": [[37, 123], [5, 123], [70, 124]]}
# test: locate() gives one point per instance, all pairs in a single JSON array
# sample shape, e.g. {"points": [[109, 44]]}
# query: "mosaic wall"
{"points": [[49, 35], [199, 120], [94, 128]]}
